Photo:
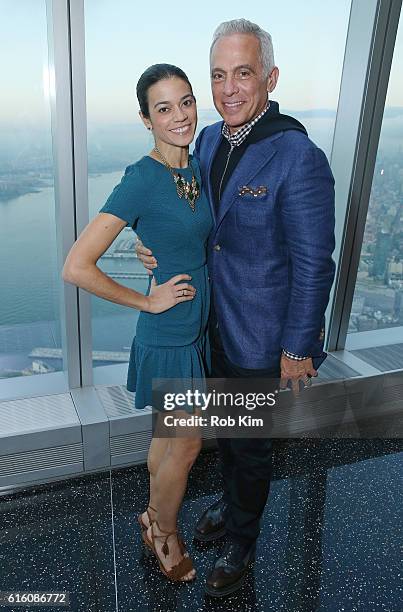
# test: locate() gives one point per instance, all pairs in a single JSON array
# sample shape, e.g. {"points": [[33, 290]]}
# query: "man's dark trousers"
{"points": [[246, 463]]}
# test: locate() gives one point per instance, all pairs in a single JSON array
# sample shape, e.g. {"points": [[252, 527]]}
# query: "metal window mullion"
{"points": [[369, 51], [62, 143], [80, 166]]}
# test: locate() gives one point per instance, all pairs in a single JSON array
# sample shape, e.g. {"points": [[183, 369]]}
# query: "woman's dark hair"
{"points": [[153, 74]]}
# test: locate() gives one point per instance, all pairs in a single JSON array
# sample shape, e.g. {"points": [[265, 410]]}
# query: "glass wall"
{"points": [[29, 307], [121, 42], [378, 297]]}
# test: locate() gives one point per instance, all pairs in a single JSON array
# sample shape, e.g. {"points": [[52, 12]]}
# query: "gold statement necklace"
{"points": [[190, 191]]}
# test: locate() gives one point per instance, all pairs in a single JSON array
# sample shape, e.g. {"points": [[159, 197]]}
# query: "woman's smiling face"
{"points": [[173, 112]]}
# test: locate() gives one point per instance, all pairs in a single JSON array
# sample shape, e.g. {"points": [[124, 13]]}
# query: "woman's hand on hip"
{"points": [[169, 294]]}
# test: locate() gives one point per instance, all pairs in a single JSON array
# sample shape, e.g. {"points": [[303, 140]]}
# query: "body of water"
{"points": [[31, 283]]}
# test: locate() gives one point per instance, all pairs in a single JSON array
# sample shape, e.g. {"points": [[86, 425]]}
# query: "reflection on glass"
{"points": [[29, 310], [117, 138], [378, 293]]}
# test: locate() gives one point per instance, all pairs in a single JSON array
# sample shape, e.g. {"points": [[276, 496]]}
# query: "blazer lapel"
{"points": [[212, 154], [255, 157]]}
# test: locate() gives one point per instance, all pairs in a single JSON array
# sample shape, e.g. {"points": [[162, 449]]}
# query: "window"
{"points": [[30, 337], [378, 298], [121, 42]]}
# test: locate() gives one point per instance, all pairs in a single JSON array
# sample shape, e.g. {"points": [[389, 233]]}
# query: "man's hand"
{"points": [[146, 257], [294, 370]]}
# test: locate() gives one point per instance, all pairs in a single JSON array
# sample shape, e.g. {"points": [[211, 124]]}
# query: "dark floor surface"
{"points": [[330, 537]]}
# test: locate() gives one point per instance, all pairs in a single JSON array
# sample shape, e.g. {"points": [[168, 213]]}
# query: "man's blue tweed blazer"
{"points": [[273, 269]]}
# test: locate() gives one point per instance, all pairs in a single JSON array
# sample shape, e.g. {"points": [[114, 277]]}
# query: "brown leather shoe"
{"points": [[211, 525], [230, 569]]}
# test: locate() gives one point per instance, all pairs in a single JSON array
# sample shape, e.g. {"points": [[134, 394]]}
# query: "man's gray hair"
{"points": [[243, 26]]}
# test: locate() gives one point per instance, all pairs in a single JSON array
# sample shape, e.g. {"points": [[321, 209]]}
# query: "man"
{"points": [[272, 197]]}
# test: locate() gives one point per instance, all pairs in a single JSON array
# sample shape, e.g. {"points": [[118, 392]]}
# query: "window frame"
{"points": [[368, 56], [362, 98]]}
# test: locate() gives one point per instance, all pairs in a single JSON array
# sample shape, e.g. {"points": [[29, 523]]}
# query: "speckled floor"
{"points": [[329, 543]]}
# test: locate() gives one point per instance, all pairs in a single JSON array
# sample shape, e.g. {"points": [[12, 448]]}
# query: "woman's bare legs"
{"points": [[169, 464], [157, 450]]}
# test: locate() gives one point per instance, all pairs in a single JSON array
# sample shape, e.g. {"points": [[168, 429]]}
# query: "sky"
{"points": [[123, 37]]}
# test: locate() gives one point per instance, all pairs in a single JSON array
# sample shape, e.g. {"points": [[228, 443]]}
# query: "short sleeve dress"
{"points": [[172, 344]]}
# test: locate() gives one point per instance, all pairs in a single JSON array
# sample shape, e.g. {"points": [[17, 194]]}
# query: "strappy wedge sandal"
{"points": [[178, 571], [140, 520]]}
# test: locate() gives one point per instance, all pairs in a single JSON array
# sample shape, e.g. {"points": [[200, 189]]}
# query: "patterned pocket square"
{"points": [[255, 191]]}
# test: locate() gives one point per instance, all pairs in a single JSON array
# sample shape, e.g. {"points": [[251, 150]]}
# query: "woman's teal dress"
{"points": [[172, 344]]}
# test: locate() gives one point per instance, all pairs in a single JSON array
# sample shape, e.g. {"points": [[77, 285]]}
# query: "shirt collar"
{"points": [[236, 139]]}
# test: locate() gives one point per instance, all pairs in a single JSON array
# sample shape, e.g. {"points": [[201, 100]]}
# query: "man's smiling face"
{"points": [[238, 83]]}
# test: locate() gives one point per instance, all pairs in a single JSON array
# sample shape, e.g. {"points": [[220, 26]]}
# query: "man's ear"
{"points": [[272, 79], [146, 121]]}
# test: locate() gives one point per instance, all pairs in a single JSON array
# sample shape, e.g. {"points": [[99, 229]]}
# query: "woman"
{"points": [[160, 197]]}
